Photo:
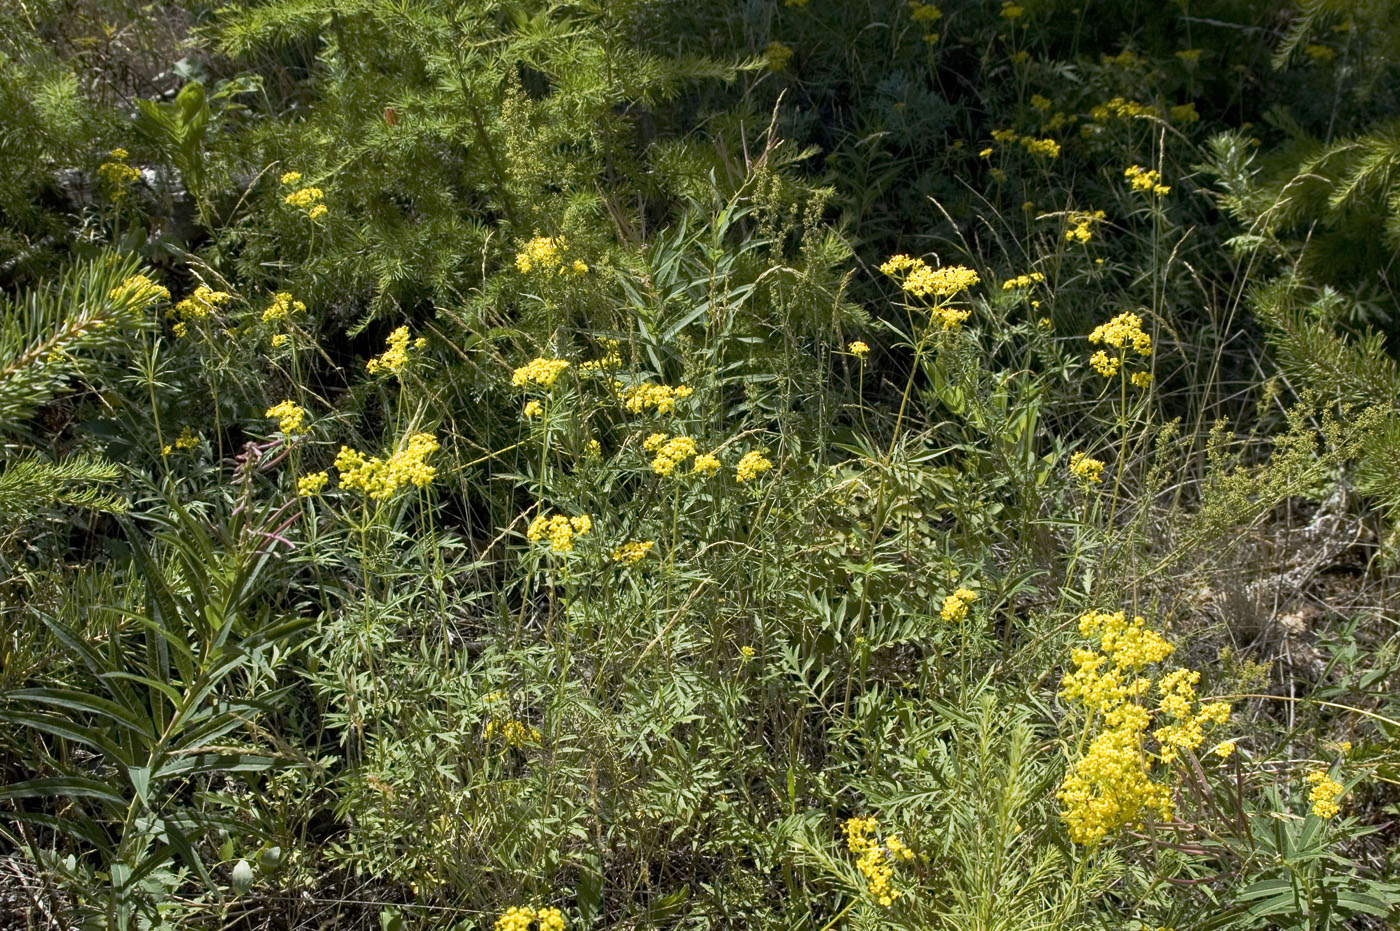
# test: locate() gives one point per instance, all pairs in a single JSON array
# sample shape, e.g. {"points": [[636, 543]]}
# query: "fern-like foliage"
{"points": [[29, 481], [55, 331], [1355, 372]]}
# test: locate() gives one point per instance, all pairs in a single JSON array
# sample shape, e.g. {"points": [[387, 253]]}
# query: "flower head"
{"points": [[751, 465], [955, 605], [540, 371], [858, 349], [395, 355], [311, 484], [1087, 470], [290, 416]]}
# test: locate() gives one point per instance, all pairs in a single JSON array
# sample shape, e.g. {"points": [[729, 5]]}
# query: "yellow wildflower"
{"points": [[290, 417], [777, 55], [751, 465], [922, 281], [278, 339], [202, 303], [290, 177], [1012, 11], [955, 605], [559, 530], [662, 398], [707, 464], [1140, 379], [671, 453], [186, 439], [875, 860], [1225, 749], [1022, 281], [1324, 794], [924, 12], [1149, 182], [281, 308], [540, 371], [858, 349], [311, 484], [395, 355], [381, 478], [632, 552], [1087, 470], [1082, 224], [542, 253], [1122, 332], [533, 409], [138, 291], [306, 198]]}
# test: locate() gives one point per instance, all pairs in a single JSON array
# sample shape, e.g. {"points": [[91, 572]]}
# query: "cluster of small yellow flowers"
{"points": [[924, 12], [1140, 379], [1012, 11], [202, 303], [1121, 108], [1086, 469], [290, 417], [307, 198], [1147, 181], [118, 174], [518, 918], [671, 454], [612, 359], [1082, 224], [1123, 332], [311, 484], [1224, 750], [662, 398], [1031, 144], [186, 440], [955, 605], [1324, 794], [707, 464], [539, 371], [395, 355], [1041, 102], [632, 552], [751, 465], [559, 530], [1184, 113], [533, 409], [594, 450], [546, 252], [281, 308], [875, 859], [138, 291], [278, 339], [921, 281], [1189, 55], [380, 478], [858, 349], [516, 733], [1022, 281], [1187, 732], [777, 55]]}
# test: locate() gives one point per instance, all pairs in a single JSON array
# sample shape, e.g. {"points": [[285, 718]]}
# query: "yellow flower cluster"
{"points": [[1123, 332], [559, 530], [955, 605], [1122, 109], [1224, 750], [281, 308], [662, 398], [1111, 786], [1022, 281], [1086, 469], [924, 12], [380, 478], [1012, 11], [858, 349], [1184, 113], [876, 860], [751, 465], [186, 440], [290, 417], [546, 252], [138, 291], [539, 371], [311, 484], [516, 733], [203, 302], [707, 464], [518, 918], [1082, 224], [395, 355], [1324, 794], [118, 174], [670, 453], [633, 552], [1149, 182], [533, 409], [777, 55], [921, 281], [1189, 55], [612, 359], [307, 198]]}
